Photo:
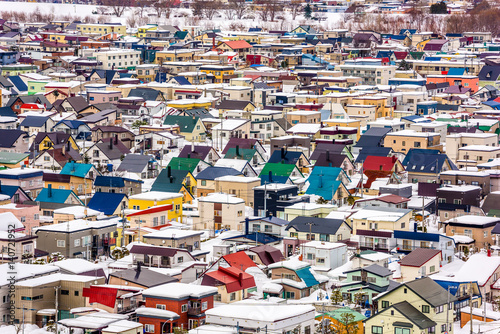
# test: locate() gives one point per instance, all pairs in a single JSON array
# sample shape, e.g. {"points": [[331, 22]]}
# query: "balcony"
{"points": [[377, 246], [194, 311], [409, 248]]}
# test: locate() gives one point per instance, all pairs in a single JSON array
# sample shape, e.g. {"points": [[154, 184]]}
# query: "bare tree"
{"points": [[142, 6], [295, 8], [210, 8], [164, 7], [118, 7], [237, 8]]}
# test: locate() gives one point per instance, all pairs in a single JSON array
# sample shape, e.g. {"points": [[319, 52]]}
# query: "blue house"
{"points": [[8, 57], [80, 170], [329, 183], [108, 203], [427, 108]]}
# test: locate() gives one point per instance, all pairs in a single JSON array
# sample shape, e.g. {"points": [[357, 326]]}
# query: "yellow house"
{"points": [[142, 31], [345, 122], [378, 218], [188, 104], [218, 71], [79, 185], [382, 108], [403, 141], [147, 72], [52, 139], [101, 29], [192, 128], [155, 198]]}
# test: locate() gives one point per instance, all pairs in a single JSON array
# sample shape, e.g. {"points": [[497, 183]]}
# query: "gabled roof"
{"points": [[379, 163], [8, 137], [240, 153], [419, 257], [75, 169], [233, 104], [145, 277], [278, 169], [426, 161], [374, 269], [412, 314], [211, 173], [323, 182], [188, 164], [331, 160], [185, 123], [106, 202], [77, 102], [285, 156], [267, 254], [430, 291], [57, 196], [199, 152], [233, 278], [167, 183], [243, 143], [372, 137], [320, 225], [34, 121], [134, 163], [326, 147], [148, 94], [239, 260], [238, 44], [116, 151]]}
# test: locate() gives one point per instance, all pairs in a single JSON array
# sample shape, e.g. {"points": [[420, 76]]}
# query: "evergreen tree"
{"points": [[336, 296], [307, 11]]}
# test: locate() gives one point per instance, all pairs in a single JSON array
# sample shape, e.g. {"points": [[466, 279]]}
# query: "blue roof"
{"points": [[306, 275], [276, 179], [412, 118], [24, 175], [58, 196], [323, 181], [106, 202], [34, 121], [492, 104], [456, 71], [71, 124], [291, 157], [211, 173], [426, 161], [76, 169], [109, 181], [19, 83], [452, 284], [416, 235], [411, 31], [7, 111], [181, 80], [260, 237], [8, 190], [432, 58]]}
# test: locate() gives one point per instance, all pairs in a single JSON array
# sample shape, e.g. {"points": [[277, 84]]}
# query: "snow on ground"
{"points": [[180, 17], [28, 329], [209, 244]]}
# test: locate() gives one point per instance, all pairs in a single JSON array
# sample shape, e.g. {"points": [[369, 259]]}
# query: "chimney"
{"points": [[189, 155], [171, 179], [49, 188], [73, 167], [327, 155], [111, 143], [0, 185], [247, 224], [282, 153], [138, 270], [270, 177], [169, 171], [192, 146], [237, 150], [116, 139], [240, 278]]}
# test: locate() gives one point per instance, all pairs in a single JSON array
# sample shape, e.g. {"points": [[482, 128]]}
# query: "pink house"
{"points": [[28, 215], [102, 96]]}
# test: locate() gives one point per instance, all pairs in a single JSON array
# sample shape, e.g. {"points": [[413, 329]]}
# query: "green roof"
{"points": [[336, 314], [417, 55], [184, 163], [278, 169], [244, 153], [494, 213], [186, 123], [12, 157]]}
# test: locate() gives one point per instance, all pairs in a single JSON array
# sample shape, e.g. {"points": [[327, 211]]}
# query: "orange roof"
{"points": [[241, 44], [239, 260]]}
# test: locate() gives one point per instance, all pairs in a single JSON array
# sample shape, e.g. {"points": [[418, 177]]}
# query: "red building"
{"points": [[174, 305]]}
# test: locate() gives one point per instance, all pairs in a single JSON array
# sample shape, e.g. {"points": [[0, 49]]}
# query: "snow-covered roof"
{"points": [[479, 267], [155, 312], [173, 233], [180, 291], [78, 211], [221, 198], [324, 244], [76, 266], [78, 225], [55, 278]]}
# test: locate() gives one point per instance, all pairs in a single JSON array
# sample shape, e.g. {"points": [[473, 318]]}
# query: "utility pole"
{"points": [[265, 198], [448, 311], [57, 305], [470, 305]]}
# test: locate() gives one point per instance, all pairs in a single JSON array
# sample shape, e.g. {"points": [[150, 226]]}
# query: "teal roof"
{"points": [[58, 196], [75, 169], [186, 123], [306, 275], [323, 182]]}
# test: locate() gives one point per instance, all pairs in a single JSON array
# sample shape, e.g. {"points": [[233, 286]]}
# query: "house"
{"points": [[34, 124], [155, 198], [205, 153], [118, 300], [375, 218], [329, 183], [57, 158], [272, 198], [104, 132], [386, 201], [250, 155], [297, 278], [79, 185], [106, 151], [14, 160], [269, 225], [422, 303], [290, 157], [278, 318], [144, 166], [188, 302], [176, 180], [420, 263], [264, 255], [108, 203], [455, 201], [21, 246], [13, 140], [407, 241], [78, 238], [31, 180], [116, 184], [51, 199], [139, 277], [172, 237], [302, 229], [241, 187], [324, 256], [337, 317], [192, 128], [192, 165], [426, 165], [471, 231], [77, 129], [239, 128], [370, 281], [220, 211], [463, 177], [233, 284]]}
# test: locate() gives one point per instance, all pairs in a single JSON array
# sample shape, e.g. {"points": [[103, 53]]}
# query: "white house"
{"points": [[324, 256]]}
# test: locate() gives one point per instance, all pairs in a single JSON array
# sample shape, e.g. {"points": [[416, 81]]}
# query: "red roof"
{"points": [[31, 106], [400, 54], [233, 278], [238, 44], [102, 295], [239, 260], [159, 208], [379, 163]]}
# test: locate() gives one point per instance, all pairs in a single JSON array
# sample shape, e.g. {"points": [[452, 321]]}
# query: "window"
{"points": [[485, 234], [432, 269], [439, 309], [307, 330], [432, 329], [149, 328], [61, 243], [65, 292], [240, 213], [77, 293], [377, 330], [203, 182], [443, 328], [204, 306], [399, 330], [161, 307], [426, 309], [290, 295], [356, 278], [457, 201], [180, 259], [385, 304], [184, 308], [77, 242], [232, 296], [155, 221]]}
